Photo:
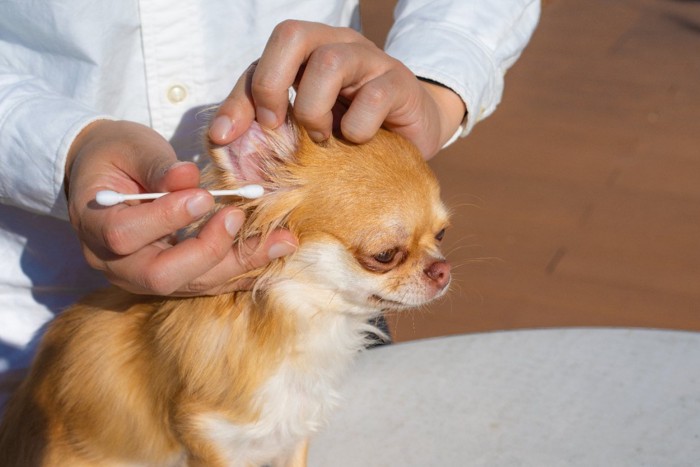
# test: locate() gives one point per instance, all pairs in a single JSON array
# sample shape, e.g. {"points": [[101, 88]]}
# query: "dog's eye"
{"points": [[383, 262], [386, 257], [440, 235]]}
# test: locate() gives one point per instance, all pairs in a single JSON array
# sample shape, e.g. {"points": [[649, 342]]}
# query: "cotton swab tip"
{"points": [[251, 191], [108, 198]]}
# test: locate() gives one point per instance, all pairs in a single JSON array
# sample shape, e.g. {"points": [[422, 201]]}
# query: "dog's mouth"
{"points": [[386, 302]]}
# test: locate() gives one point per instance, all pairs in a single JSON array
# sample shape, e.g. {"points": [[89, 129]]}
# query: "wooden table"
{"points": [[561, 397]]}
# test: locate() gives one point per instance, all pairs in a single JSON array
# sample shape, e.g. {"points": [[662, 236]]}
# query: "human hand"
{"points": [[332, 68], [132, 244]]}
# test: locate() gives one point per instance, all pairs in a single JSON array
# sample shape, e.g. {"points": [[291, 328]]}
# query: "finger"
{"points": [[161, 173], [235, 113], [162, 269], [370, 107], [178, 176], [333, 70], [288, 48], [148, 157], [225, 276], [123, 230]]}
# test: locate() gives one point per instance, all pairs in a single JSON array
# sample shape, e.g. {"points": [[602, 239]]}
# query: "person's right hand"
{"points": [[339, 75], [132, 244]]}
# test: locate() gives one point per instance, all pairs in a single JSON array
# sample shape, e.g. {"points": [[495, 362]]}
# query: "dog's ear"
{"points": [[258, 155]]}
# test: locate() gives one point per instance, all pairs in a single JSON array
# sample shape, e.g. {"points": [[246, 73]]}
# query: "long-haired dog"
{"points": [[242, 379]]}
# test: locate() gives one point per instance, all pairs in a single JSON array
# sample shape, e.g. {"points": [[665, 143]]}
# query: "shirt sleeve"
{"points": [[37, 127], [465, 45]]}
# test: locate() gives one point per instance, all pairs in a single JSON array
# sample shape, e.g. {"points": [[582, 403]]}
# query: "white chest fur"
{"points": [[331, 328], [296, 400]]}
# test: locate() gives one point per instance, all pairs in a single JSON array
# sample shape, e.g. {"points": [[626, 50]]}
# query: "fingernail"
{"points": [[266, 117], [178, 164], [233, 223], [281, 249], [175, 165], [221, 128], [198, 205], [317, 136]]}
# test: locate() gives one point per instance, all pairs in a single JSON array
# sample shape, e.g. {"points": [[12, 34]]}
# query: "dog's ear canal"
{"points": [[257, 154]]}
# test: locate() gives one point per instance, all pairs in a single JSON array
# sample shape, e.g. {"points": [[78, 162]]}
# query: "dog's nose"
{"points": [[439, 273]]}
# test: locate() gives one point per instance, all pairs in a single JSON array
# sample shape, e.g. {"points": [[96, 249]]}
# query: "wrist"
{"points": [[451, 108]]}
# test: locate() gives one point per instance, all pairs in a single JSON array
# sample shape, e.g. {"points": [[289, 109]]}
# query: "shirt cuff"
{"points": [[37, 133], [447, 55]]}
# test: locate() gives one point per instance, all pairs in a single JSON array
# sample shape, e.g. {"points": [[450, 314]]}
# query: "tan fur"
{"points": [[124, 377], [158, 361]]}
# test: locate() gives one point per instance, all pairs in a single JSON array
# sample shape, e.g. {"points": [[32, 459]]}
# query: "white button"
{"points": [[177, 93]]}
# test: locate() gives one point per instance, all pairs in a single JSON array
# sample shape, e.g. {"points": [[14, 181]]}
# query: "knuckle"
{"points": [[172, 217], [359, 130], [308, 115], [212, 251], [211, 243], [394, 65], [328, 58], [288, 31], [115, 239], [253, 257], [375, 95], [158, 281], [265, 85]]}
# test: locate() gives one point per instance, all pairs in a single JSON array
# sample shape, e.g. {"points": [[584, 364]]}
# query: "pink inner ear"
{"points": [[257, 152], [245, 154]]}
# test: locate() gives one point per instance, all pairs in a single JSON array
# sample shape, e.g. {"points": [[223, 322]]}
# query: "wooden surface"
{"points": [[578, 201]]}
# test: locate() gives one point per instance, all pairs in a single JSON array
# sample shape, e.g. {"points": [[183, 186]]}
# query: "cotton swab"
{"points": [[110, 198]]}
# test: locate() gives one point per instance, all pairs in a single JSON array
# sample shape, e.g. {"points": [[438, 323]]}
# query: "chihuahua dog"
{"points": [[242, 379]]}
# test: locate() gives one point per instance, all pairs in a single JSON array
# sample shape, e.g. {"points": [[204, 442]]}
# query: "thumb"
{"points": [[154, 164], [179, 175]]}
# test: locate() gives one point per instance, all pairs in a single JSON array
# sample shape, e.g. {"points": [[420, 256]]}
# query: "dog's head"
{"points": [[368, 217]]}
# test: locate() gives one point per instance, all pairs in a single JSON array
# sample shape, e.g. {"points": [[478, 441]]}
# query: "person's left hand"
{"points": [[331, 66]]}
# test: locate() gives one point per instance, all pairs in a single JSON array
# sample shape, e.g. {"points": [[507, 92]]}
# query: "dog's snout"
{"points": [[439, 273]]}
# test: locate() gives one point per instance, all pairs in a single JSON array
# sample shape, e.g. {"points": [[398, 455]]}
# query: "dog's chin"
{"points": [[386, 304]]}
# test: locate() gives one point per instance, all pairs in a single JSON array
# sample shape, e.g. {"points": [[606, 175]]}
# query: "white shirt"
{"points": [[64, 64]]}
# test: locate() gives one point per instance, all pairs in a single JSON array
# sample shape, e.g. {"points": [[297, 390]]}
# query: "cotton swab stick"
{"points": [[110, 198]]}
